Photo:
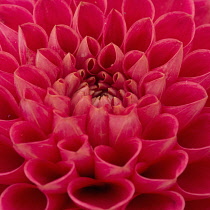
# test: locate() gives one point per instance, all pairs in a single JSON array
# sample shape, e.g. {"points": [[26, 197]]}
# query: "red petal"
{"points": [[117, 4], [140, 35], [196, 204], [134, 10], [44, 14], [114, 28], [91, 26], [8, 12], [68, 64]]}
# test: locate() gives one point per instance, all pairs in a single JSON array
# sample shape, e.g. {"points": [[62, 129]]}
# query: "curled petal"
{"points": [[179, 101], [91, 26], [50, 177], [30, 142], [11, 166], [89, 48], [44, 14], [7, 62], [201, 37], [130, 86], [95, 194], [68, 64], [129, 99], [195, 138], [158, 137], [119, 80], [165, 6], [195, 68], [196, 173], [166, 56], [63, 39], [98, 130], [31, 37], [79, 151], [60, 86], [148, 107], [114, 29], [160, 175], [142, 9], [135, 64], [49, 62], [110, 58], [8, 11], [37, 113], [153, 82], [30, 78], [140, 35], [124, 126], [117, 162], [163, 200]]}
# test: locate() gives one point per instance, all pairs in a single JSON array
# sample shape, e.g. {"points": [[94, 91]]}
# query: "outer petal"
{"points": [[140, 35], [91, 26], [117, 162], [95, 194], [114, 29], [158, 138], [179, 101], [196, 204], [142, 9], [196, 68], [117, 4], [124, 126], [63, 39], [44, 14], [163, 200], [22, 15], [166, 56]]}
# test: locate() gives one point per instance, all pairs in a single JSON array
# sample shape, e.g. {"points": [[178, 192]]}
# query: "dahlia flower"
{"points": [[104, 104]]}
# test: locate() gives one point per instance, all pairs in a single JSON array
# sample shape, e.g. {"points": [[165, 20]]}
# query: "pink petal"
{"points": [[117, 162], [37, 113], [179, 101], [166, 56], [89, 48], [68, 64], [140, 35], [110, 58], [102, 4], [195, 68], [148, 108], [129, 99], [117, 4], [91, 26], [49, 62], [202, 8], [130, 86], [22, 15], [158, 137], [98, 130], [32, 79], [201, 37], [160, 175], [164, 6], [50, 177], [30, 142], [153, 82], [7, 62], [195, 138], [124, 126], [63, 39], [119, 80], [95, 194], [162, 200], [11, 166], [58, 102], [142, 9], [27, 34], [114, 28], [79, 151], [44, 14], [135, 64], [198, 174], [197, 204], [177, 25], [9, 40], [60, 86]]}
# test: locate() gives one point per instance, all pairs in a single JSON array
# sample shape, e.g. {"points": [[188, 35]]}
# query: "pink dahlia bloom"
{"points": [[104, 104]]}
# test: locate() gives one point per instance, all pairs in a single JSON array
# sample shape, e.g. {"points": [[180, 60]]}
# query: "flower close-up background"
{"points": [[104, 104]]}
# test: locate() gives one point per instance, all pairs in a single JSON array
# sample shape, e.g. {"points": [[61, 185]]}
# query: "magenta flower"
{"points": [[104, 104]]}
